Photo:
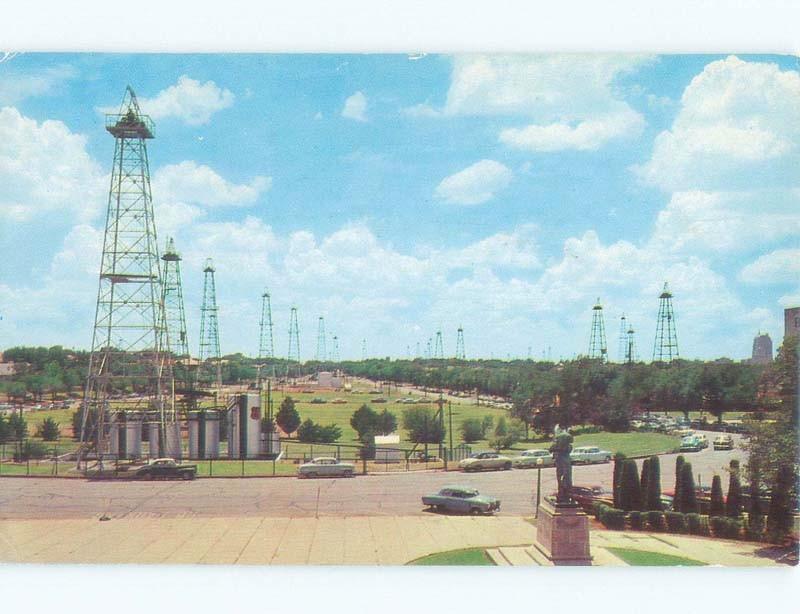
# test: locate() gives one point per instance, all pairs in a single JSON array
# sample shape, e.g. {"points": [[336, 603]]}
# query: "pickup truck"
{"points": [[166, 469]]}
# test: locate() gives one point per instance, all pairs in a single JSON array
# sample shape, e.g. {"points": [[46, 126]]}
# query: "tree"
{"points": [[654, 485], [677, 504], [5, 429], [643, 478], [18, 426], [364, 420], [688, 494], [386, 423], [733, 506], [422, 425], [288, 417], [619, 460], [501, 430], [779, 519], [49, 430], [471, 430], [717, 501], [630, 499], [486, 424], [756, 514], [307, 431]]}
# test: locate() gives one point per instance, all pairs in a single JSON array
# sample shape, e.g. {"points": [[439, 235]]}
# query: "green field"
{"points": [[469, 556], [642, 558], [630, 444]]}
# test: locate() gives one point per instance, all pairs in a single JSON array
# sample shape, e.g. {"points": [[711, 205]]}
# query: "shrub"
{"points": [[597, 509], [733, 506], [613, 518], [733, 528], [677, 504], [726, 528], [717, 502], [48, 430], [779, 518], [655, 521], [676, 522], [310, 432], [697, 524], [755, 527], [654, 485], [486, 425], [471, 430], [619, 460], [30, 450], [688, 495], [635, 518], [629, 498]]}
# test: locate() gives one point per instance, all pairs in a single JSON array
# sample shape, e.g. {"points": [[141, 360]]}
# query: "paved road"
{"points": [[372, 495]]}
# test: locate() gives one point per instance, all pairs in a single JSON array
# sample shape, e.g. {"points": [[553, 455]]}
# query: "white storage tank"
{"points": [[244, 426], [125, 436], [204, 434], [171, 440]]}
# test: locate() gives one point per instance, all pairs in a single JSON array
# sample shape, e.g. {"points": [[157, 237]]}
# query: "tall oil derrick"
{"points": [[129, 342], [322, 354], [622, 348], [210, 356], [419, 352], [631, 354], [335, 351], [461, 354], [597, 341], [665, 347], [429, 349], [363, 349], [438, 349], [174, 314], [294, 337], [266, 349]]}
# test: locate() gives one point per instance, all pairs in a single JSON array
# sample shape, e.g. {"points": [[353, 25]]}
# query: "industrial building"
{"points": [[762, 349], [791, 322]]}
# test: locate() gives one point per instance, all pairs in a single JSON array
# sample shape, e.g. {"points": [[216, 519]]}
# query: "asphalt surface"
{"points": [[395, 494]]}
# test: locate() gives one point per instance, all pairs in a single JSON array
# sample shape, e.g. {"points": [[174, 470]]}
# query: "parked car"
{"points": [[703, 440], [166, 469], [462, 499], [586, 496], [325, 466], [723, 442], [589, 454], [533, 458], [691, 443], [485, 460]]}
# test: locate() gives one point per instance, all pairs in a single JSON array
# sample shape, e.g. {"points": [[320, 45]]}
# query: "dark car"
{"points": [[587, 496], [166, 469]]}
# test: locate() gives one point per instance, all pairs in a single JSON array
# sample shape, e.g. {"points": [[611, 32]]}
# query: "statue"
{"points": [[562, 446]]}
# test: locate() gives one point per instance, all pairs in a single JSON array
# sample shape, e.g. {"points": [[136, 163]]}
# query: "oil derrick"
{"points": [[266, 348], [210, 356], [419, 352], [622, 348], [335, 351], [294, 337], [597, 341], [429, 349], [176, 342], [460, 352], [631, 355], [438, 349], [665, 347], [322, 353], [363, 349], [130, 347]]}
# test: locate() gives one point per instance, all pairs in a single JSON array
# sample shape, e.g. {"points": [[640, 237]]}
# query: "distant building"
{"points": [[791, 322], [326, 379], [762, 349]]}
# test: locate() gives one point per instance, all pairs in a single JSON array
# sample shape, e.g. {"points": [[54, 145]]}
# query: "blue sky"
{"points": [[397, 195]]}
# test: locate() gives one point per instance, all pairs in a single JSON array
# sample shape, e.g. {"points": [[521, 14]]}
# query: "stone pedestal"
{"points": [[562, 534]]}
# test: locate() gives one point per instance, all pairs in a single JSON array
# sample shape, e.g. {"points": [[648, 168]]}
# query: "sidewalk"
{"points": [[328, 540]]}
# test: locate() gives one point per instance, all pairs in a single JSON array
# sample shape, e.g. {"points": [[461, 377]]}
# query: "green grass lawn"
{"points": [[642, 558], [469, 556], [630, 444]]}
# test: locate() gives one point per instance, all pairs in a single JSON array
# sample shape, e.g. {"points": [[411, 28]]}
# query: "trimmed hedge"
{"points": [[755, 527], [697, 524], [613, 518], [726, 528], [635, 519], [655, 521], [676, 522], [597, 509]]}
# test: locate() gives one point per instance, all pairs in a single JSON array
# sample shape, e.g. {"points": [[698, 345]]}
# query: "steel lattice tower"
{"points": [[597, 341], [363, 349], [209, 324], [128, 340], [631, 355], [461, 354], [335, 352], [294, 337], [665, 347], [322, 353], [174, 314], [622, 348], [266, 348], [429, 349], [438, 348]]}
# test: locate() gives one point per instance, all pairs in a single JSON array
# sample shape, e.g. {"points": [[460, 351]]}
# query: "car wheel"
{"points": [[311, 474], [348, 474], [147, 476], [186, 476], [507, 466], [474, 511]]}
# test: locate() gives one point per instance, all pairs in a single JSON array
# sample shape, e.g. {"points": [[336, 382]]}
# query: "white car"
{"points": [[485, 460], [325, 466], [589, 454], [533, 458]]}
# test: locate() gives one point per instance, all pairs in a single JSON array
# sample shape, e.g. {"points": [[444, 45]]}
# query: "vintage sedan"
{"points": [[461, 499], [165, 469], [485, 461], [589, 454], [533, 458], [691, 443], [723, 442], [327, 467]]}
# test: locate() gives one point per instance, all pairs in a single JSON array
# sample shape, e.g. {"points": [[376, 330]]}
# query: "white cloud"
{"points": [[421, 110], [738, 127], [515, 249], [779, 266], [188, 100], [475, 184], [191, 182], [15, 87], [585, 135], [45, 168], [355, 107]]}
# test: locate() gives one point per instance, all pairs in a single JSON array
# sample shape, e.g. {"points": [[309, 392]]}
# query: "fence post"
{"points": [[2, 455], [55, 454], [242, 466], [364, 463], [273, 466], [28, 463], [210, 467]]}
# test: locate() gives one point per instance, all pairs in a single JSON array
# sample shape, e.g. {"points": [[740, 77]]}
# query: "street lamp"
{"points": [[539, 463]]}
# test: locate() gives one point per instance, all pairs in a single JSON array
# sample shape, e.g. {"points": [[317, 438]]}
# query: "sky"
{"points": [[399, 195]]}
